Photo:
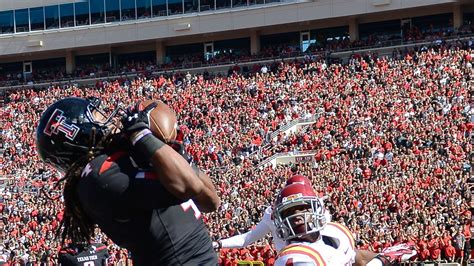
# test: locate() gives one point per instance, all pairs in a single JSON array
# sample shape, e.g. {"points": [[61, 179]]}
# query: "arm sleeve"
{"points": [[248, 238]]}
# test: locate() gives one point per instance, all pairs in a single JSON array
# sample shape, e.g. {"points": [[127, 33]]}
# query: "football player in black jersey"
{"points": [[140, 192], [94, 254]]}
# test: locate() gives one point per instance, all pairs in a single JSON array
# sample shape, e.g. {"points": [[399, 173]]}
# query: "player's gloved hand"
{"points": [[136, 127], [136, 119], [217, 244], [399, 253]]}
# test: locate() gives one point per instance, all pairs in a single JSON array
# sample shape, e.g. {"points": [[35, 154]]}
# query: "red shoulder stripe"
{"points": [[316, 257], [108, 162], [345, 230], [147, 175], [101, 248], [151, 175]]}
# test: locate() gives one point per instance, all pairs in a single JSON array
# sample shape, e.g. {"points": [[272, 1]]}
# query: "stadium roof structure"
{"points": [[31, 31], [20, 4]]}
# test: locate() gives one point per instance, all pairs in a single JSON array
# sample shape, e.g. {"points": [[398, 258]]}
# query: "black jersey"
{"points": [[92, 255], [132, 207]]}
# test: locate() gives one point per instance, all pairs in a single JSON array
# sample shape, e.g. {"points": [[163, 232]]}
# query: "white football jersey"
{"points": [[311, 254], [335, 247], [339, 237], [332, 231]]}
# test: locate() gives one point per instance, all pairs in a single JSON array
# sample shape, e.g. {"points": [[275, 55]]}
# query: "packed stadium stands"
{"points": [[393, 138], [389, 135]]}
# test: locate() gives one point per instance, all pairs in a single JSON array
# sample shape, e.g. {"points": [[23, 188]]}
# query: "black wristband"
{"points": [[148, 145], [385, 261]]}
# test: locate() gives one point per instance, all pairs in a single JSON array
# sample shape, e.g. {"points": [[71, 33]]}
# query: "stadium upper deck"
{"points": [[66, 31]]}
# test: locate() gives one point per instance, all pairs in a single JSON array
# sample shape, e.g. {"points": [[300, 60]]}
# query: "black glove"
{"points": [[136, 119]]}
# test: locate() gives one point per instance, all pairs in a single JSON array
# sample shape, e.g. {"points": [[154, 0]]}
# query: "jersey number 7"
{"points": [[190, 205]]}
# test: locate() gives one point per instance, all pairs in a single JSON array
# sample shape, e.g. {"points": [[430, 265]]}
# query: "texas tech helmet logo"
{"points": [[57, 123]]}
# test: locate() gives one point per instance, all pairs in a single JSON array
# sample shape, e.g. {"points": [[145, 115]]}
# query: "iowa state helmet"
{"points": [[300, 197], [298, 179]]}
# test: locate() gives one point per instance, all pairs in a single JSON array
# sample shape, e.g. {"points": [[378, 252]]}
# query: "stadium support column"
{"points": [[113, 58], [70, 62], [354, 29], [254, 42], [457, 16], [160, 52]]}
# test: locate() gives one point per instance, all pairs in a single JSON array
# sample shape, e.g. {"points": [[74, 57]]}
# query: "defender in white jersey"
{"points": [[266, 225], [332, 234], [299, 220], [335, 234]]}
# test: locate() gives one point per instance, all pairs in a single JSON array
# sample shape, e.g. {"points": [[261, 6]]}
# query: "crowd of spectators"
{"points": [[393, 151], [392, 138], [234, 56]]}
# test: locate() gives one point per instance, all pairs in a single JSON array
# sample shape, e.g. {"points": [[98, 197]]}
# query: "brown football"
{"points": [[163, 121]]}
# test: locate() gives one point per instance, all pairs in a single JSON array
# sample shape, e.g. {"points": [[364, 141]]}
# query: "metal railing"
{"points": [[283, 154], [250, 263], [292, 124]]}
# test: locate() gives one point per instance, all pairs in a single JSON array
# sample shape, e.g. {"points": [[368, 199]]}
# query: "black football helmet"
{"points": [[68, 129]]}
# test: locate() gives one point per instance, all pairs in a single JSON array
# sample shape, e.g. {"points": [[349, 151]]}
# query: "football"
{"points": [[163, 121]]}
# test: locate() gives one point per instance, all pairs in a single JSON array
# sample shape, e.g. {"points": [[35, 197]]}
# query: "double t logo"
{"points": [[57, 123]]}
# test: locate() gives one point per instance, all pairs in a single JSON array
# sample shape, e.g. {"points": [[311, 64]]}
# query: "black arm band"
{"points": [[148, 145], [385, 261]]}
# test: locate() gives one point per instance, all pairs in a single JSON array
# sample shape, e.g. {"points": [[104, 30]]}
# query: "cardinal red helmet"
{"points": [[298, 179], [298, 211]]}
